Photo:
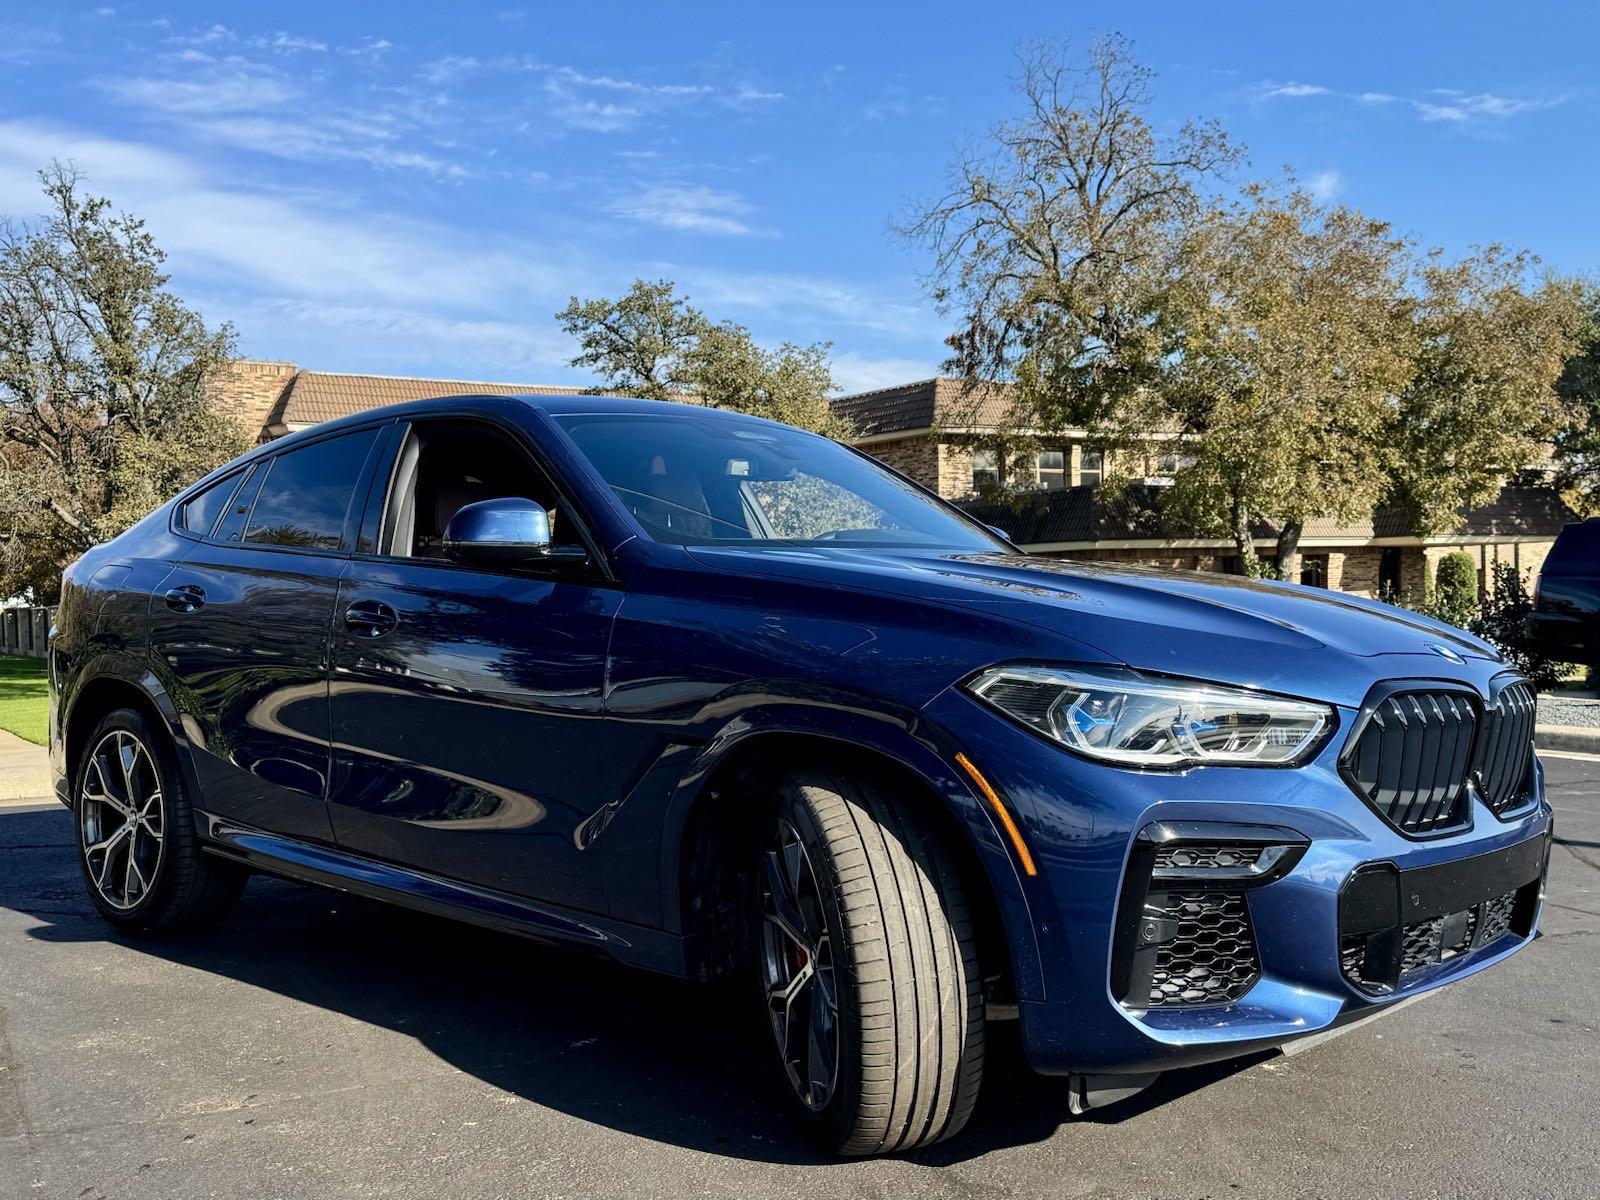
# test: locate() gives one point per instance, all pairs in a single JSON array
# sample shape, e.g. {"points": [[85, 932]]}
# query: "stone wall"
{"points": [[248, 390]]}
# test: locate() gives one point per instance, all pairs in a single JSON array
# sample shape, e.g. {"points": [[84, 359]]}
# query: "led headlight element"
{"points": [[1137, 721]]}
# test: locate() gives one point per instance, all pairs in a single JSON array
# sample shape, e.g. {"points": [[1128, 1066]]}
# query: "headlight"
{"points": [[1130, 719]]}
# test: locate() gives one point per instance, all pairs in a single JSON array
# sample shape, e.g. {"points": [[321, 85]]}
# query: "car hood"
{"points": [[1275, 636]]}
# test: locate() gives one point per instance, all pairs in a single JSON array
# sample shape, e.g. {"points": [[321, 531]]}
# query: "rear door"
{"points": [[466, 701], [239, 630]]}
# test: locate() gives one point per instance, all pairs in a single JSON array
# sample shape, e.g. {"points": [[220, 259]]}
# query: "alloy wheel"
{"points": [[119, 812], [797, 971]]}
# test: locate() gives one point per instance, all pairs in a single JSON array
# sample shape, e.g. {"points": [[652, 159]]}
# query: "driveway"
{"points": [[322, 1047]]}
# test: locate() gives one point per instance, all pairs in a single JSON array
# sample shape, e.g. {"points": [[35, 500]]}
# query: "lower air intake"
{"points": [[1212, 959]]}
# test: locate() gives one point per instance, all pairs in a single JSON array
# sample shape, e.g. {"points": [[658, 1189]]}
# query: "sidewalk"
{"points": [[1568, 722], [24, 771]]}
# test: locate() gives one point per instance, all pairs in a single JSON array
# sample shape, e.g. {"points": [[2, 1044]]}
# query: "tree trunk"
{"points": [[1289, 551], [1249, 564]]}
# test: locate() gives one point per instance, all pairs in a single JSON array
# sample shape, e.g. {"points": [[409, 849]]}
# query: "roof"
{"points": [[314, 396], [926, 404], [1086, 514]]}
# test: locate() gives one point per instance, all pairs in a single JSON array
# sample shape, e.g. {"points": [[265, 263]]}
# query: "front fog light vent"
{"points": [[1184, 935]]}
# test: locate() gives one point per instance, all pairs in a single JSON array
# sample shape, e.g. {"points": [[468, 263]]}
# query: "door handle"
{"points": [[370, 618], [186, 598]]}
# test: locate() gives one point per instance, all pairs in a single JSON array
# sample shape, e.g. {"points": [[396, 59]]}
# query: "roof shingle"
{"points": [[313, 396]]}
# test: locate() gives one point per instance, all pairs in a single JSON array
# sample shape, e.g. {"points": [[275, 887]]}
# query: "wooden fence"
{"points": [[25, 630]]}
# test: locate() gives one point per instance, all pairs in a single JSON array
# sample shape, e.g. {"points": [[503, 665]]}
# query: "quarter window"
{"points": [[201, 511], [306, 494]]}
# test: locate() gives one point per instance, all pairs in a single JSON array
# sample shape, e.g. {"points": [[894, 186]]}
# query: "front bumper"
{"points": [[1356, 886]]}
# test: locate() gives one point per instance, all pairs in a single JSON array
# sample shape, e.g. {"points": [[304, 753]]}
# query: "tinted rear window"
{"points": [[307, 493], [1577, 550], [200, 513]]}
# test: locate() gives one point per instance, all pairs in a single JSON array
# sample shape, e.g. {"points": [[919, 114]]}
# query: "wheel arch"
{"points": [[103, 688], [723, 796]]}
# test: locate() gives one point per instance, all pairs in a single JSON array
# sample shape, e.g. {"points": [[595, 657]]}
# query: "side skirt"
{"points": [[326, 866]]}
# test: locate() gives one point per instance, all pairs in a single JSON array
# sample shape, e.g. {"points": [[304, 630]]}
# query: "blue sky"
{"points": [[410, 189]]}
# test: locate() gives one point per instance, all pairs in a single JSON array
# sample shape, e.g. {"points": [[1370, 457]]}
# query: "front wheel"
{"points": [[868, 964]]}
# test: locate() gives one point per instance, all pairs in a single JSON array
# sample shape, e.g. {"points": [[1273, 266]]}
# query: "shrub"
{"points": [[1500, 621], [1455, 589]]}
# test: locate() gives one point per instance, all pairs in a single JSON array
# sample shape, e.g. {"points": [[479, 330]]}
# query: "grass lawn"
{"points": [[22, 697]]}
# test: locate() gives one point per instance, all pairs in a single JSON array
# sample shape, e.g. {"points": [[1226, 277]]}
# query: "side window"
{"points": [[444, 465], [306, 493], [231, 527], [200, 511]]}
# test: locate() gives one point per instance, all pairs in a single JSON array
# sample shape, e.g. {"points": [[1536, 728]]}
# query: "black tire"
{"points": [[186, 888], [902, 955]]}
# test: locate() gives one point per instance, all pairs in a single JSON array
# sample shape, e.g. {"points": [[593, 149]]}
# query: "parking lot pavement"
{"points": [[322, 1047]]}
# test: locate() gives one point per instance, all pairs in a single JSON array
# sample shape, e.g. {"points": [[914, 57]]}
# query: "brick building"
{"points": [[926, 430]]}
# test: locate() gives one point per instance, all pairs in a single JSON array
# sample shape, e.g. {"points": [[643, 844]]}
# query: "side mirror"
{"points": [[998, 532], [507, 531]]}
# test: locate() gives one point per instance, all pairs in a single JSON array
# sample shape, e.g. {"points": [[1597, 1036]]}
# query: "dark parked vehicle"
{"points": [[718, 697], [1565, 622]]}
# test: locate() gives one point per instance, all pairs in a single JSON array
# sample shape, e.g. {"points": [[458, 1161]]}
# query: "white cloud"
{"points": [[248, 106], [289, 43], [811, 299], [859, 373], [690, 208], [1325, 185], [1293, 90], [449, 69], [1451, 105], [1484, 105], [237, 89], [402, 340], [253, 238], [319, 278], [750, 94]]}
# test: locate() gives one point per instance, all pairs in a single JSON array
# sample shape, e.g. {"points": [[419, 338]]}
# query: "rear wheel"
{"points": [[867, 960], [137, 844]]}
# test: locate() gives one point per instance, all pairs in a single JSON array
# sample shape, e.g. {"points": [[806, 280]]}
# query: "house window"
{"points": [[985, 472], [1091, 466], [1389, 573], [1314, 570], [1052, 470]]}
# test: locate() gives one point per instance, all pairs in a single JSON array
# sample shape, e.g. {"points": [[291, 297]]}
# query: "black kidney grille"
{"points": [[1410, 760], [1505, 748]]}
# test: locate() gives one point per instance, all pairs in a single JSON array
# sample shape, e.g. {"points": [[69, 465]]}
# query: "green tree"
{"points": [[1481, 404], [654, 344], [1455, 589], [1577, 444], [1293, 339], [1057, 243], [104, 409]]}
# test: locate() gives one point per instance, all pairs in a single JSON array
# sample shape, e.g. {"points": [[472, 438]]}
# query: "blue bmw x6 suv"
{"points": [[718, 697]]}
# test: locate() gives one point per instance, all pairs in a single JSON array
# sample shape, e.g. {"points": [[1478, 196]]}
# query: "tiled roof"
{"points": [[1084, 514], [313, 396], [926, 404]]}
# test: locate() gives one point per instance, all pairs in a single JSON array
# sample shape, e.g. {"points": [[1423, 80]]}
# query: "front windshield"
{"points": [[712, 479]]}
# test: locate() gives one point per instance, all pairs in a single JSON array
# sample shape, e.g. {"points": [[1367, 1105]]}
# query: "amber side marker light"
{"points": [[1006, 820]]}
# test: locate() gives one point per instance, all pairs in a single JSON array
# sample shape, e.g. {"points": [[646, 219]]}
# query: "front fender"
{"points": [[643, 872]]}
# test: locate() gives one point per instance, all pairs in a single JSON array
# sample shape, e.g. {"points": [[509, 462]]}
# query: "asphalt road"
{"points": [[326, 1048]]}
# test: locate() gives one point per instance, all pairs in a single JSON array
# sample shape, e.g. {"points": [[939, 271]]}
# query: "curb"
{"points": [[1572, 738]]}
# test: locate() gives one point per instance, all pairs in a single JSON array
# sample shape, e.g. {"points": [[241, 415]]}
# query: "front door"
{"points": [[239, 632], [467, 703]]}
